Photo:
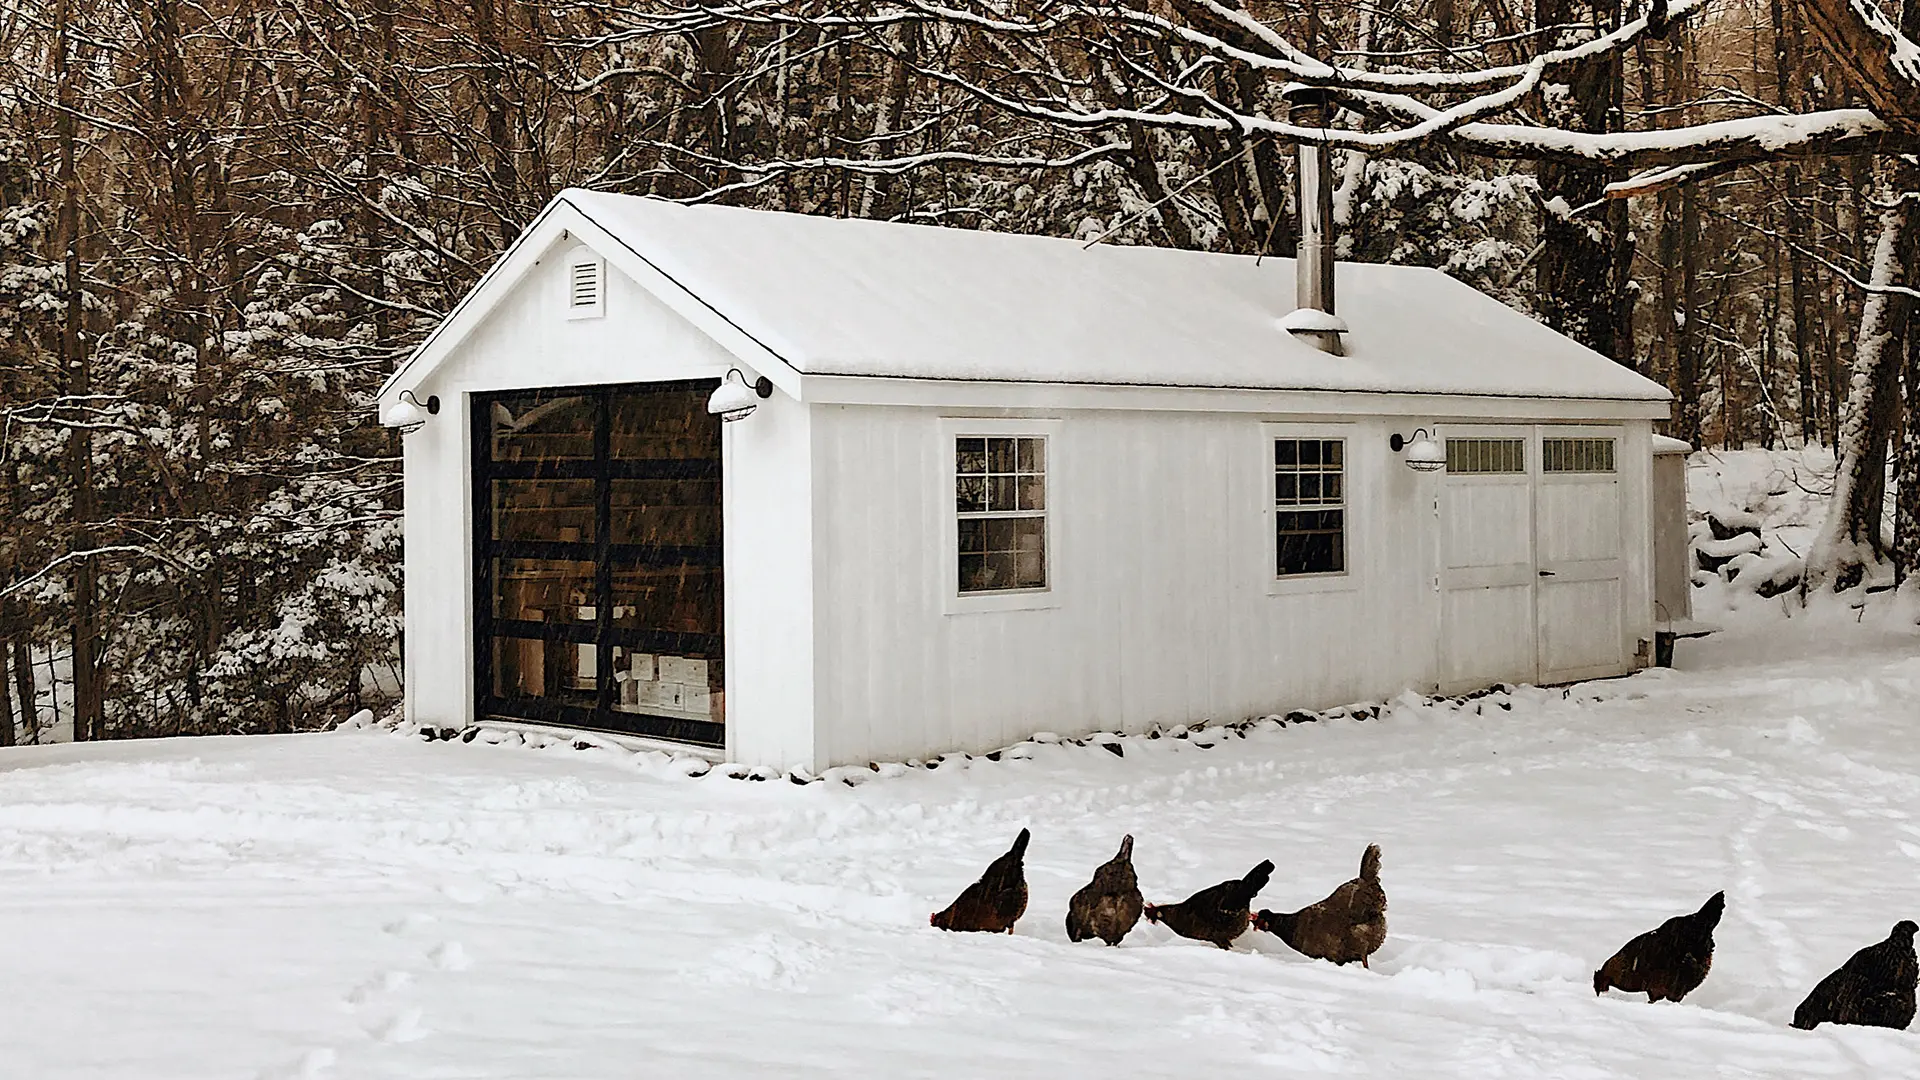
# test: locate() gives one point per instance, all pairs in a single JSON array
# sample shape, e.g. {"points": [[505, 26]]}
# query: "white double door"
{"points": [[1532, 560]]}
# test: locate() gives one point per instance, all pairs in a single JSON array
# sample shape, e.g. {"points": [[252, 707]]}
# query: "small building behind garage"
{"points": [[982, 485]]}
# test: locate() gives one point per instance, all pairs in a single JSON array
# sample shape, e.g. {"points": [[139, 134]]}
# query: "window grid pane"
{"points": [[1309, 495], [1471, 456], [1000, 495], [1577, 455]]}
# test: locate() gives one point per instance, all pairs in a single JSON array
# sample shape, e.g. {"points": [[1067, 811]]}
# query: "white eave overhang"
{"points": [[1044, 396]]}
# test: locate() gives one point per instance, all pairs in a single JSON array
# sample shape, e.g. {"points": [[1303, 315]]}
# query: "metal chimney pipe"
{"points": [[1308, 107]]}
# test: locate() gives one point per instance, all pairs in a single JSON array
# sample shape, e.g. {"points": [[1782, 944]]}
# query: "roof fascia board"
{"points": [[560, 218], [933, 393]]}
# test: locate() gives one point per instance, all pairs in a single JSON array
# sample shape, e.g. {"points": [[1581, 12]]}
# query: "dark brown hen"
{"points": [[1668, 962], [1350, 924], [994, 903], [1109, 905], [1217, 914], [1875, 987]]}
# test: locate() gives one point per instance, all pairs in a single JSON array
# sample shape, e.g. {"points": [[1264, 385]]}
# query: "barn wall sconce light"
{"points": [[1424, 453], [409, 412], [734, 399]]}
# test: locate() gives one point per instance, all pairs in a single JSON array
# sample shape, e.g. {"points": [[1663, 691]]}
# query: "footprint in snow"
{"points": [[391, 982], [416, 921], [313, 1065], [403, 1028], [450, 956]]}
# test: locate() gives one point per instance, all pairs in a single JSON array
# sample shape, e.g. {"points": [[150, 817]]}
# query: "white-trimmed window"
{"points": [[586, 284], [1309, 506], [1576, 455], [1000, 498], [1471, 457]]}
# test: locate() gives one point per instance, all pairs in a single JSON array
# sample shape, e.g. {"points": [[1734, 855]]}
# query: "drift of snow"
{"points": [[359, 904]]}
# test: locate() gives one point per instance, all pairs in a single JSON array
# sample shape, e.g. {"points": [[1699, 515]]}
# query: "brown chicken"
{"points": [[995, 902], [1109, 905], [1350, 924], [1217, 914], [1666, 963], [1875, 987]]}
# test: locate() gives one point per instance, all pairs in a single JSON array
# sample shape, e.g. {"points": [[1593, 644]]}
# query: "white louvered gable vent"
{"points": [[586, 286]]}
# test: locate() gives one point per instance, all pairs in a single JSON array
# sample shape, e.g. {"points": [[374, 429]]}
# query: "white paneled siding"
{"points": [[1165, 609], [1161, 571]]}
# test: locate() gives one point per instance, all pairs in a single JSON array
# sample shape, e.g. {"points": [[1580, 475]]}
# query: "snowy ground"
{"points": [[361, 905]]}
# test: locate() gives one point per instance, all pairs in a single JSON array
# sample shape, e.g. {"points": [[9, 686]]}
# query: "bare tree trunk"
{"points": [[73, 359], [888, 117], [1852, 535], [489, 86], [1786, 62], [1578, 289], [6, 702], [23, 685], [1906, 521], [1802, 316]]}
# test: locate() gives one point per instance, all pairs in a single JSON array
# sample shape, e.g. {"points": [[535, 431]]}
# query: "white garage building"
{"points": [[997, 484]]}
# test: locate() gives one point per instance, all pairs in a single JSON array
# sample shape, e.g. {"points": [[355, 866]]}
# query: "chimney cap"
{"points": [[1308, 320]]}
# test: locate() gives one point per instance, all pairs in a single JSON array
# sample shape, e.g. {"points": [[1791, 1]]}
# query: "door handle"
{"points": [[1546, 573]]}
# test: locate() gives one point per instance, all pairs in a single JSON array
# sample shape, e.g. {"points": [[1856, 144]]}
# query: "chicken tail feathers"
{"points": [[1019, 849], [1258, 877], [1370, 864], [1126, 848], [1711, 910]]}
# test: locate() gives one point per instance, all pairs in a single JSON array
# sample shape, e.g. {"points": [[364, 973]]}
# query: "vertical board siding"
{"points": [[1161, 566]]}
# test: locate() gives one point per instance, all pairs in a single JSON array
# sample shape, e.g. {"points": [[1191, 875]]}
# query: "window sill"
{"points": [[983, 603], [1296, 584]]}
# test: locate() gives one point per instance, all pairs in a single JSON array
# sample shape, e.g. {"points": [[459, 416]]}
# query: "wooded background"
{"points": [[222, 223]]}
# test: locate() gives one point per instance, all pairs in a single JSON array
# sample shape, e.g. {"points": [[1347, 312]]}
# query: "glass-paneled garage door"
{"points": [[597, 560]]}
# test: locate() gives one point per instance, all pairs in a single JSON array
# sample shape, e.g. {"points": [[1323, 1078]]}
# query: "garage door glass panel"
{"points": [[543, 590], [600, 560], [543, 672], [666, 513], [543, 510], [537, 427]]}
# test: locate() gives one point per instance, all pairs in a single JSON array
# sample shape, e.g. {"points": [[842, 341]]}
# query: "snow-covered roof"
{"points": [[841, 297], [1666, 444]]}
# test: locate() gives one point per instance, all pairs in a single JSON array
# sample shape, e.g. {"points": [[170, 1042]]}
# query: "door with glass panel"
{"points": [[1580, 553], [1487, 572], [597, 551]]}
